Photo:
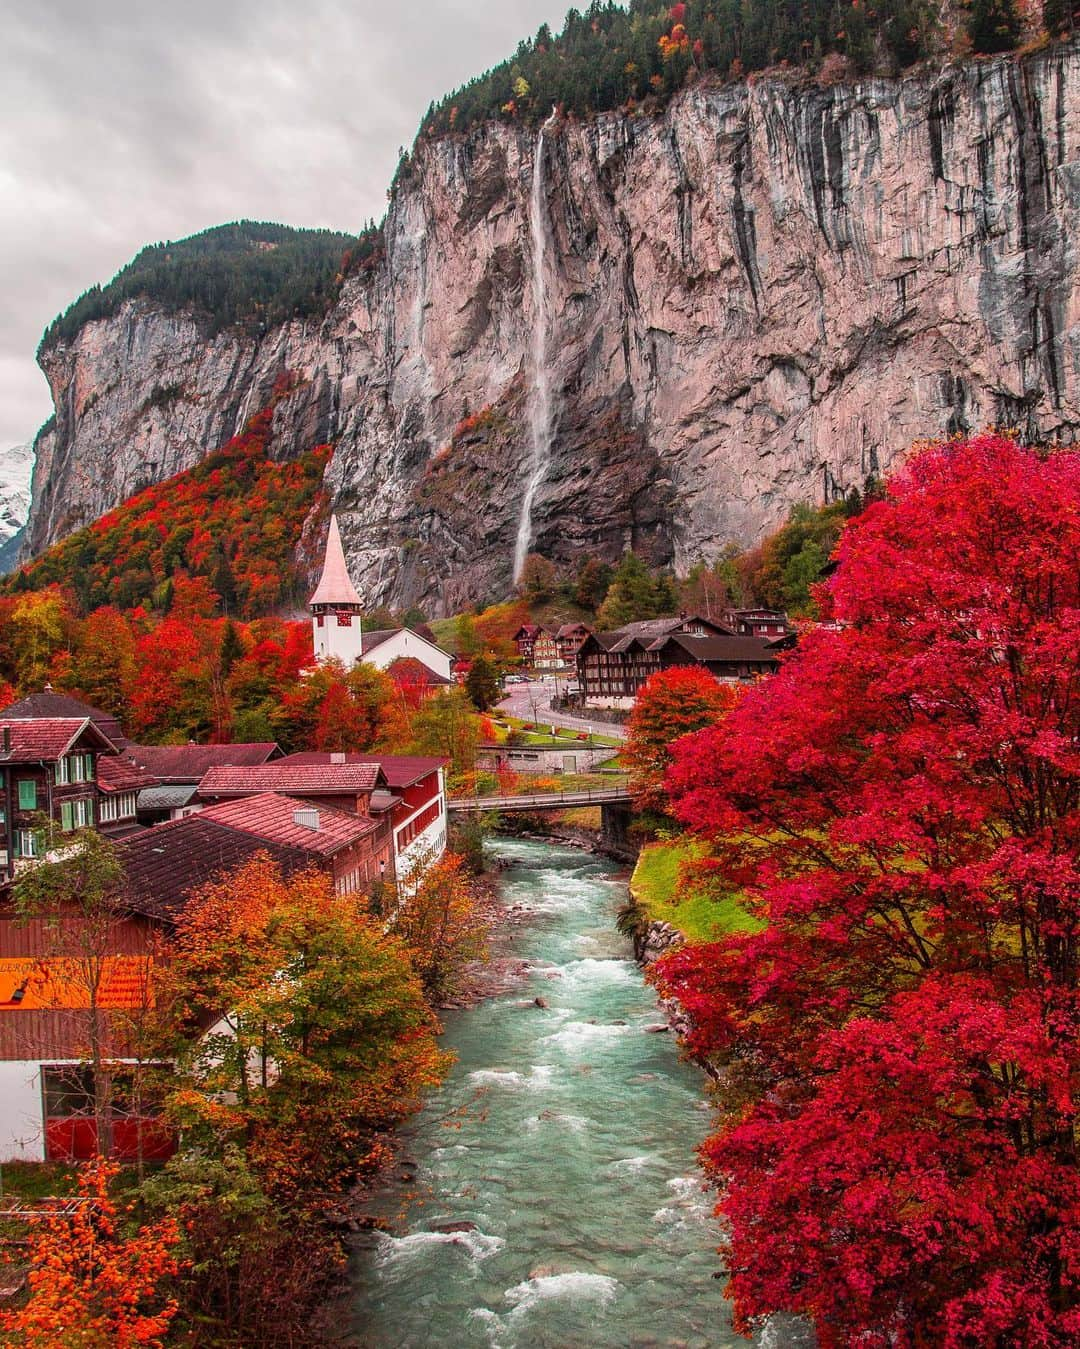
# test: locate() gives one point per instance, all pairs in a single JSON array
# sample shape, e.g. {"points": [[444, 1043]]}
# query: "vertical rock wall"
{"points": [[759, 298]]}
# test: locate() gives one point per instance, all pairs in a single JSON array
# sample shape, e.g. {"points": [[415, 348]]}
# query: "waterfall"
{"points": [[541, 404]]}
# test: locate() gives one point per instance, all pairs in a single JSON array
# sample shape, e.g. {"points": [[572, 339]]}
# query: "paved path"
{"points": [[532, 702], [591, 796]]}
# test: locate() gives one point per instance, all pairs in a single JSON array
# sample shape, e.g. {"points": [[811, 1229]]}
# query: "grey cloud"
{"points": [[122, 123]]}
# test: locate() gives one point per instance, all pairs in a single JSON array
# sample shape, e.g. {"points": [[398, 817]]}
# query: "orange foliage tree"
{"points": [[319, 1036], [443, 924], [95, 1280]]}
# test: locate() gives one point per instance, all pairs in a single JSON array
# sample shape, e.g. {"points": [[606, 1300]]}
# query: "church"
{"points": [[338, 631]]}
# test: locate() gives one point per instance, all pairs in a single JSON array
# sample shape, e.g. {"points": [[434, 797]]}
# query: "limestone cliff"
{"points": [[758, 298]]}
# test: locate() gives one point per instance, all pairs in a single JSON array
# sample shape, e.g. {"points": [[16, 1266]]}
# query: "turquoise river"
{"points": [[561, 1148]]}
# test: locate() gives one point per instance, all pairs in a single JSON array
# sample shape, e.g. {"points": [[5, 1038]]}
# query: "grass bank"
{"points": [[697, 913]]}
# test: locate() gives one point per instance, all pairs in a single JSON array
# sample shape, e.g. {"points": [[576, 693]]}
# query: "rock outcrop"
{"points": [[760, 297]]}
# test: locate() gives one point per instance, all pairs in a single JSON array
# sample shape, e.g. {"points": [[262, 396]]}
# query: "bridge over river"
{"points": [[614, 803]]}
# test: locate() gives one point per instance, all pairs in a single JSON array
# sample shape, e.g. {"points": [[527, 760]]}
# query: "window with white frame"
{"points": [[120, 807], [29, 843]]}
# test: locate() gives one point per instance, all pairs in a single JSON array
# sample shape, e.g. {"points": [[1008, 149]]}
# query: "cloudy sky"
{"points": [[125, 122]]}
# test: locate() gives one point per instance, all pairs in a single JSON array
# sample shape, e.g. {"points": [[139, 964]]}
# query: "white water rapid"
{"points": [[541, 403]]}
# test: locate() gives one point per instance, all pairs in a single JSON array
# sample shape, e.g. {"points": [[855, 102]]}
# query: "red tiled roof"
{"points": [[121, 774], [165, 864], [399, 770], [274, 817], [46, 738], [188, 763], [304, 779], [47, 702]]}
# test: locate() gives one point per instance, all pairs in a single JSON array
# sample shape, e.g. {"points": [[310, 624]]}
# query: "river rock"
{"points": [[454, 1227], [540, 1002], [658, 1028]]}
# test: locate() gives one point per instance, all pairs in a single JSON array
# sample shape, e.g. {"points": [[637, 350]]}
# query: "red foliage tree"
{"points": [[413, 680], [671, 704], [901, 804]]}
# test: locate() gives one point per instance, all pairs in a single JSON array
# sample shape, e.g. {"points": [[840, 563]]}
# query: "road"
{"points": [[531, 702]]}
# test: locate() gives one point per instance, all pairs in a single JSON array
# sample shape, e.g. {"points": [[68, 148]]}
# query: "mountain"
{"points": [[16, 467], [656, 329]]}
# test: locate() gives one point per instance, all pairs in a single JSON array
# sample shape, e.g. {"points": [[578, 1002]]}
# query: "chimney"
{"points": [[337, 757], [306, 819], [7, 740]]}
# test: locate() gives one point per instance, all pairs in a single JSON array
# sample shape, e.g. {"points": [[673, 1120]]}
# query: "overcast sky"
{"points": [[125, 122]]}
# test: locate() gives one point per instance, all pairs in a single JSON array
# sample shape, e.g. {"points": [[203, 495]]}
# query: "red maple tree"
{"points": [[671, 703], [901, 804]]}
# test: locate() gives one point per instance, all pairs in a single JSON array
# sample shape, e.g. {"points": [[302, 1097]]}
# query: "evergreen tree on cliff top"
{"points": [[901, 805]]}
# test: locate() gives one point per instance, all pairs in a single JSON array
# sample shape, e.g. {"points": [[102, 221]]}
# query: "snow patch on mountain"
{"points": [[16, 466]]}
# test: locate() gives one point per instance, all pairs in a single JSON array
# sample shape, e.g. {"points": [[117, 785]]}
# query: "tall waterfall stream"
{"points": [[557, 1201], [541, 404]]}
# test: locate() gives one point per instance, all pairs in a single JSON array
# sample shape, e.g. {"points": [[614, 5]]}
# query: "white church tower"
{"points": [[336, 607]]}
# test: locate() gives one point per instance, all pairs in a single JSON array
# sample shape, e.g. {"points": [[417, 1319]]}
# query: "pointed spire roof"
{"points": [[335, 586]]}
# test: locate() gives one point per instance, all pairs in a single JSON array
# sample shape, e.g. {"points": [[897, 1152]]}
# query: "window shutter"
{"points": [[27, 794], [67, 817]]}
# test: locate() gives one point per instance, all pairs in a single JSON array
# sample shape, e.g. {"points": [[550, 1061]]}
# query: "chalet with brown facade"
{"points": [[525, 641], [48, 766], [768, 623], [613, 666], [569, 639]]}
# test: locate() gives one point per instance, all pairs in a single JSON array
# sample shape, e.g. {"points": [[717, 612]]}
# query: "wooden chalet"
{"points": [[613, 666], [768, 623], [525, 641], [569, 639], [48, 766]]}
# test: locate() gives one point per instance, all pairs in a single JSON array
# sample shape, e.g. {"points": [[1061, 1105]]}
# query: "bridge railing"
{"points": [[581, 797]]}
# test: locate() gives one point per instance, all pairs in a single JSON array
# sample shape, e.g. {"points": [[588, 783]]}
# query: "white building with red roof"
{"points": [[411, 791], [336, 628]]}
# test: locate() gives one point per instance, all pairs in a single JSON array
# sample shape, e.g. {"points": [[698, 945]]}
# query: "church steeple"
{"points": [[336, 606], [335, 585]]}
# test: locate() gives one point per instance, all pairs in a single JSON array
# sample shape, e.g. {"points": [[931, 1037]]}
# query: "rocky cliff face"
{"points": [[759, 298]]}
